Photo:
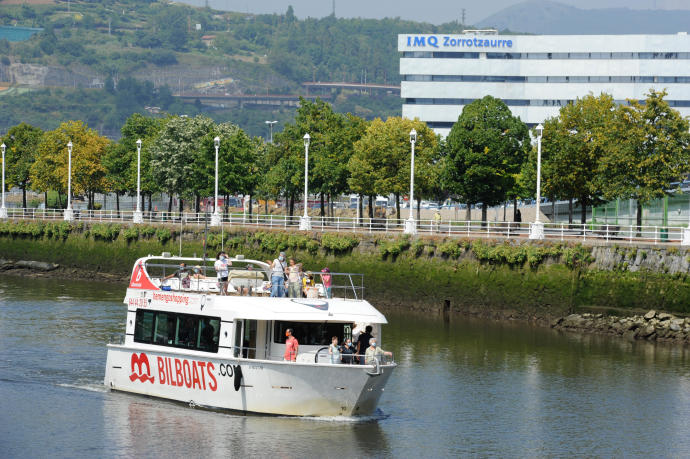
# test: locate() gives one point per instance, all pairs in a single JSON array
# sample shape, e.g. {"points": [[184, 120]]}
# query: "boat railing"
{"points": [[168, 276]]}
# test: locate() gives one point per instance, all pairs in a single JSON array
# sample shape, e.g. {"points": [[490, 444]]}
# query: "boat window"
{"points": [[187, 331], [313, 333], [245, 338]]}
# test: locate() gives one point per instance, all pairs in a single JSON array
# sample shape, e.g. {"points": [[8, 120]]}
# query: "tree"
{"points": [[381, 162], [121, 158], [21, 142], [49, 171], [486, 148], [572, 149], [647, 151], [176, 152]]}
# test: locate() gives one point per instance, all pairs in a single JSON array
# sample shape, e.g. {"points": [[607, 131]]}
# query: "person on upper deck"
{"points": [[278, 275], [221, 267], [308, 284], [327, 281], [182, 274], [363, 343], [374, 353], [291, 347], [294, 279]]}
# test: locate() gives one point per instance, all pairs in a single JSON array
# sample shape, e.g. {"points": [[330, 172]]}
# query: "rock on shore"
{"points": [[27, 264], [651, 326]]}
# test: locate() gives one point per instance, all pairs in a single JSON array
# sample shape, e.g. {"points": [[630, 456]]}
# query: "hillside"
{"points": [[547, 17], [174, 49]]}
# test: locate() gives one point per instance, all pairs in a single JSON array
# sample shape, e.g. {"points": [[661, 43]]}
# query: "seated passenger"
{"points": [[375, 353], [182, 274]]}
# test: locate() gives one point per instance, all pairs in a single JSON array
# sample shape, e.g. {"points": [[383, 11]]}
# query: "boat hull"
{"points": [[266, 387]]}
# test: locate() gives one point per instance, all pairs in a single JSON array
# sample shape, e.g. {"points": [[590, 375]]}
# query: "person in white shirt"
{"points": [[221, 267], [278, 268]]}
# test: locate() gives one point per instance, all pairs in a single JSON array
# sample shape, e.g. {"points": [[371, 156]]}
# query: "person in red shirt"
{"points": [[291, 347]]}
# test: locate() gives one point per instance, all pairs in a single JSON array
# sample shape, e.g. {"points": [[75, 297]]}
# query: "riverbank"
{"points": [[513, 279]]}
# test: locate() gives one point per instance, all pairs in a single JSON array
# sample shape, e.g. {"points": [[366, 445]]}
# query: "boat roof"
{"points": [[299, 309]]}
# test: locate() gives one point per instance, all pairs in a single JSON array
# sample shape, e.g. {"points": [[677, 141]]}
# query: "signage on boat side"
{"points": [[140, 279], [192, 374], [139, 364]]}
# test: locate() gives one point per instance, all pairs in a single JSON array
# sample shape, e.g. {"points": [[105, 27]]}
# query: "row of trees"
{"points": [[593, 151]]}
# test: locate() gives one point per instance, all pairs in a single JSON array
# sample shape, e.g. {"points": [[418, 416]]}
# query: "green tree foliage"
{"points": [[647, 151], [381, 162], [21, 142], [49, 171], [486, 149], [177, 151], [572, 148]]}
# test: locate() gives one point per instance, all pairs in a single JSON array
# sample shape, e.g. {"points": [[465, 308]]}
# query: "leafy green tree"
{"points": [[121, 158], [572, 149], [647, 151], [21, 142], [176, 152], [486, 149], [49, 171], [382, 159]]}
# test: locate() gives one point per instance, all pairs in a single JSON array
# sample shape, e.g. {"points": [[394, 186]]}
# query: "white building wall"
{"points": [[441, 112]]}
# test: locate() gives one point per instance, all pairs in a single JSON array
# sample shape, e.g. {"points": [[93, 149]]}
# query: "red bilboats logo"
{"points": [[139, 363]]}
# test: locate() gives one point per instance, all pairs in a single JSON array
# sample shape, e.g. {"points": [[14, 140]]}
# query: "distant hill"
{"points": [[547, 17]]}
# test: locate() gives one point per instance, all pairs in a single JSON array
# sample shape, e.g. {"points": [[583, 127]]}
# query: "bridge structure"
{"points": [[243, 100], [362, 87]]}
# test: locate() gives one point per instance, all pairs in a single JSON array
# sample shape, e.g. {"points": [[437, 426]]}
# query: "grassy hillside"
{"points": [[94, 46]]}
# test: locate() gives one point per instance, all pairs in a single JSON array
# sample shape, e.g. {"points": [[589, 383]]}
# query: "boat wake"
{"points": [[375, 417], [91, 387]]}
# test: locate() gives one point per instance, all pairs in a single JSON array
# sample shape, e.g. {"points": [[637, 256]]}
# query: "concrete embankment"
{"points": [[498, 279]]}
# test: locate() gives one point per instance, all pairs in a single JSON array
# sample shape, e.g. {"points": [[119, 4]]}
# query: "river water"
{"points": [[463, 387]]}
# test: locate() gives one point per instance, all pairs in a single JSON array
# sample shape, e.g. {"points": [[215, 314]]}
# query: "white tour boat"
{"points": [[185, 341]]}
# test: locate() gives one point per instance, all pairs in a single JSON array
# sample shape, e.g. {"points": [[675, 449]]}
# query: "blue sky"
{"points": [[434, 11]]}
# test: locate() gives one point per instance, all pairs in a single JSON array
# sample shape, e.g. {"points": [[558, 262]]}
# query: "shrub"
{"points": [[131, 234], [163, 235], [394, 248], [105, 231], [147, 231], [451, 249], [338, 244]]}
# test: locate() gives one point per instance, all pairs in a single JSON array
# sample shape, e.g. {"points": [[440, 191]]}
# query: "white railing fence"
{"points": [[458, 228]]}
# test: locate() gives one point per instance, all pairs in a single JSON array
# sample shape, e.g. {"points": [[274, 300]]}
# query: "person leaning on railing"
{"points": [[375, 353]]}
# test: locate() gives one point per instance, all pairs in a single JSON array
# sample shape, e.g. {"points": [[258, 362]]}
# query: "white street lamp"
{"points": [[305, 223], [536, 229], [215, 218], [3, 210], [410, 225], [138, 216], [270, 125], [684, 241], [69, 214]]}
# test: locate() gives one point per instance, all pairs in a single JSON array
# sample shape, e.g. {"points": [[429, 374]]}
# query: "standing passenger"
{"points": [[363, 343], [294, 279], [221, 267], [326, 281], [334, 350], [291, 347], [278, 276]]}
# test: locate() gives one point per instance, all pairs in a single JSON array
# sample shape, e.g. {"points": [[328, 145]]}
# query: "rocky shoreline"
{"points": [[29, 268], [652, 326]]}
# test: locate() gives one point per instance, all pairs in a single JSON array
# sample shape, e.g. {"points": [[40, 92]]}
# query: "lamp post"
{"points": [[410, 225], [215, 218], [3, 210], [69, 214], [536, 229], [270, 125], [305, 223], [138, 216]]}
